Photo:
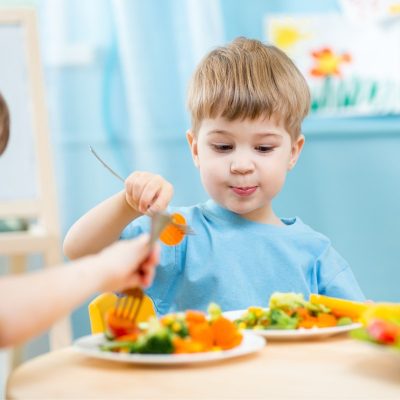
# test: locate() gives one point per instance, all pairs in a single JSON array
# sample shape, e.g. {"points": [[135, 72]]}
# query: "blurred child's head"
{"points": [[247, 101], [4, 124]]}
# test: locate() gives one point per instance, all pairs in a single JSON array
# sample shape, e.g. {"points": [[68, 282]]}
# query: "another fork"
{"points": [[185, 229], [128, 306]]}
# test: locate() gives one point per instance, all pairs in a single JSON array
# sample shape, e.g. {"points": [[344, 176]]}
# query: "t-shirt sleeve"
{"points": [[336, 277]]}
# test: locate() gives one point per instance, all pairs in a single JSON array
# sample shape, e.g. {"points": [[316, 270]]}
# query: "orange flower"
{"points": [[327, 63]]}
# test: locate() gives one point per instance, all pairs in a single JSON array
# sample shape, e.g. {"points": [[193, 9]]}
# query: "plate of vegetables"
{"points": [[381, 327], [181, 338], [290, 317]]}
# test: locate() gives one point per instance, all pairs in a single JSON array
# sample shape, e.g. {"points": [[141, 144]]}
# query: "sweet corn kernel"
{"points": [[176, 326], [167, 320], [255, 310], [258, 312], [242, 325]]}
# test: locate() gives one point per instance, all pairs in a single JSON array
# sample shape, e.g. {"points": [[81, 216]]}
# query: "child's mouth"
{"points": [[244, 191]]}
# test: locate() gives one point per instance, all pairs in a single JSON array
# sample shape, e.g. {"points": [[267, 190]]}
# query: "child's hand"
{"points": [[128, 263], [148, 193]]}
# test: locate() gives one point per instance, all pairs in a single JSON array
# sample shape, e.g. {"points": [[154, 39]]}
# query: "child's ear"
{"points": [[297, 146], [191, 138]]}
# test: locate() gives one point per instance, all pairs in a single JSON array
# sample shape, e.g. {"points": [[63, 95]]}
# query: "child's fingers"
{"points": [[147, 278], [135, 184], [156, 195], [143, 190], [141, 255], [160, 203], [137, 249], [147, 268], [150, 193], [152, 259]]}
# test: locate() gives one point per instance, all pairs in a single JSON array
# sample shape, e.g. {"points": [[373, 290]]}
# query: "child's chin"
{"points": [[239, 209]]}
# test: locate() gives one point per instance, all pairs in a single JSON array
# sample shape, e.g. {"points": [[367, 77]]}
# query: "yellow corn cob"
{"points": [[340, 307]]}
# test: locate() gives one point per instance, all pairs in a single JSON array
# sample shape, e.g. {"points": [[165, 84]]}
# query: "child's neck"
{"points": [[264, 216]]}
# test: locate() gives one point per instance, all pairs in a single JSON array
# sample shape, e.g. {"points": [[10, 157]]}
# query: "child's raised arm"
{"points": [[145, 193]]}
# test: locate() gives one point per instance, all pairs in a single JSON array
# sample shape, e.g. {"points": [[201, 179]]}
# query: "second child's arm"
{"points": [[31, 302], [145, 193]]}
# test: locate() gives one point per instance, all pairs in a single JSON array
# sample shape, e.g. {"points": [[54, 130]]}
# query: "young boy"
{"points": [[247, 101], [30, 303]]}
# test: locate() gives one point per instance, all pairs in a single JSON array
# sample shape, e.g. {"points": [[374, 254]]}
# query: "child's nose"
{"points": [[242, 166]]}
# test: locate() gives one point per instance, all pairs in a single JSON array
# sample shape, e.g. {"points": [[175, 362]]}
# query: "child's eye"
{"points": [[264, 149], [222, 147]]}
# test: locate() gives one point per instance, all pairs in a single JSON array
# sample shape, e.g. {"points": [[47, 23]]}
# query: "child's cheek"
{"points": [[275, 181]]}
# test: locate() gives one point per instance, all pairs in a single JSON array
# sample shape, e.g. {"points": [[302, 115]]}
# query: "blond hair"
{"points": [[248, 79], [4, 124]]}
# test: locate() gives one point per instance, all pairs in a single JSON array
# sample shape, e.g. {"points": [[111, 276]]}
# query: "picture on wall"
{"points": [[352, 68]]}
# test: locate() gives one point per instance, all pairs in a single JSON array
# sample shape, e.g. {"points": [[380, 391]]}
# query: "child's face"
{"points": [[243, 164]]}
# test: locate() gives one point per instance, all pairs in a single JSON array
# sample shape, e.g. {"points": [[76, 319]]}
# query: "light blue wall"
{"points": [[345, 184]]}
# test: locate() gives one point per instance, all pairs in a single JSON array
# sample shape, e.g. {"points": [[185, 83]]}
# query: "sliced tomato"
{"points": [[383, 331], [118, 326]]}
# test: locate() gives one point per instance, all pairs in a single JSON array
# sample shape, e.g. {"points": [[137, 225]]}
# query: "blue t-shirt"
{"points": [[238, 263]]}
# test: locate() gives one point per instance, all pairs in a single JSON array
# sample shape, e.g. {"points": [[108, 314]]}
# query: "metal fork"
{"points": [[185, 229], [128, 306]]}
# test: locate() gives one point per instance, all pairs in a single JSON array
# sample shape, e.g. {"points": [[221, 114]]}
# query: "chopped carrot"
{"points": [[308, 323], [226, 334], [186, 345], [303, 313], [172, 235], [194, 316], [202, 333], [326, 320]]}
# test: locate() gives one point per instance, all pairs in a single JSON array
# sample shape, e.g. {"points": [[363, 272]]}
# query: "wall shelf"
{"points": [[351, 127]]}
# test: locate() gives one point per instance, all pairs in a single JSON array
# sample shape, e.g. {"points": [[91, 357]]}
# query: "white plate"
{"points": [[293, 334], [89, 345]]}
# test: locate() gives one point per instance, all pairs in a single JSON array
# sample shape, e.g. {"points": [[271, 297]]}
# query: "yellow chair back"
{"points": [[105, 301]]}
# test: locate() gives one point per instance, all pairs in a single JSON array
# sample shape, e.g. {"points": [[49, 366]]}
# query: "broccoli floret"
{"points": [[250, 319], [116, 345], [316, 309], [280, 320], [286, 301], [344, 321], [178, 326], [264, 320], [159, 342]]}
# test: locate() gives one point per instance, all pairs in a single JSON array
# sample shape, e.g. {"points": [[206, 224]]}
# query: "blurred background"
{"points": [[116, 74]]}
